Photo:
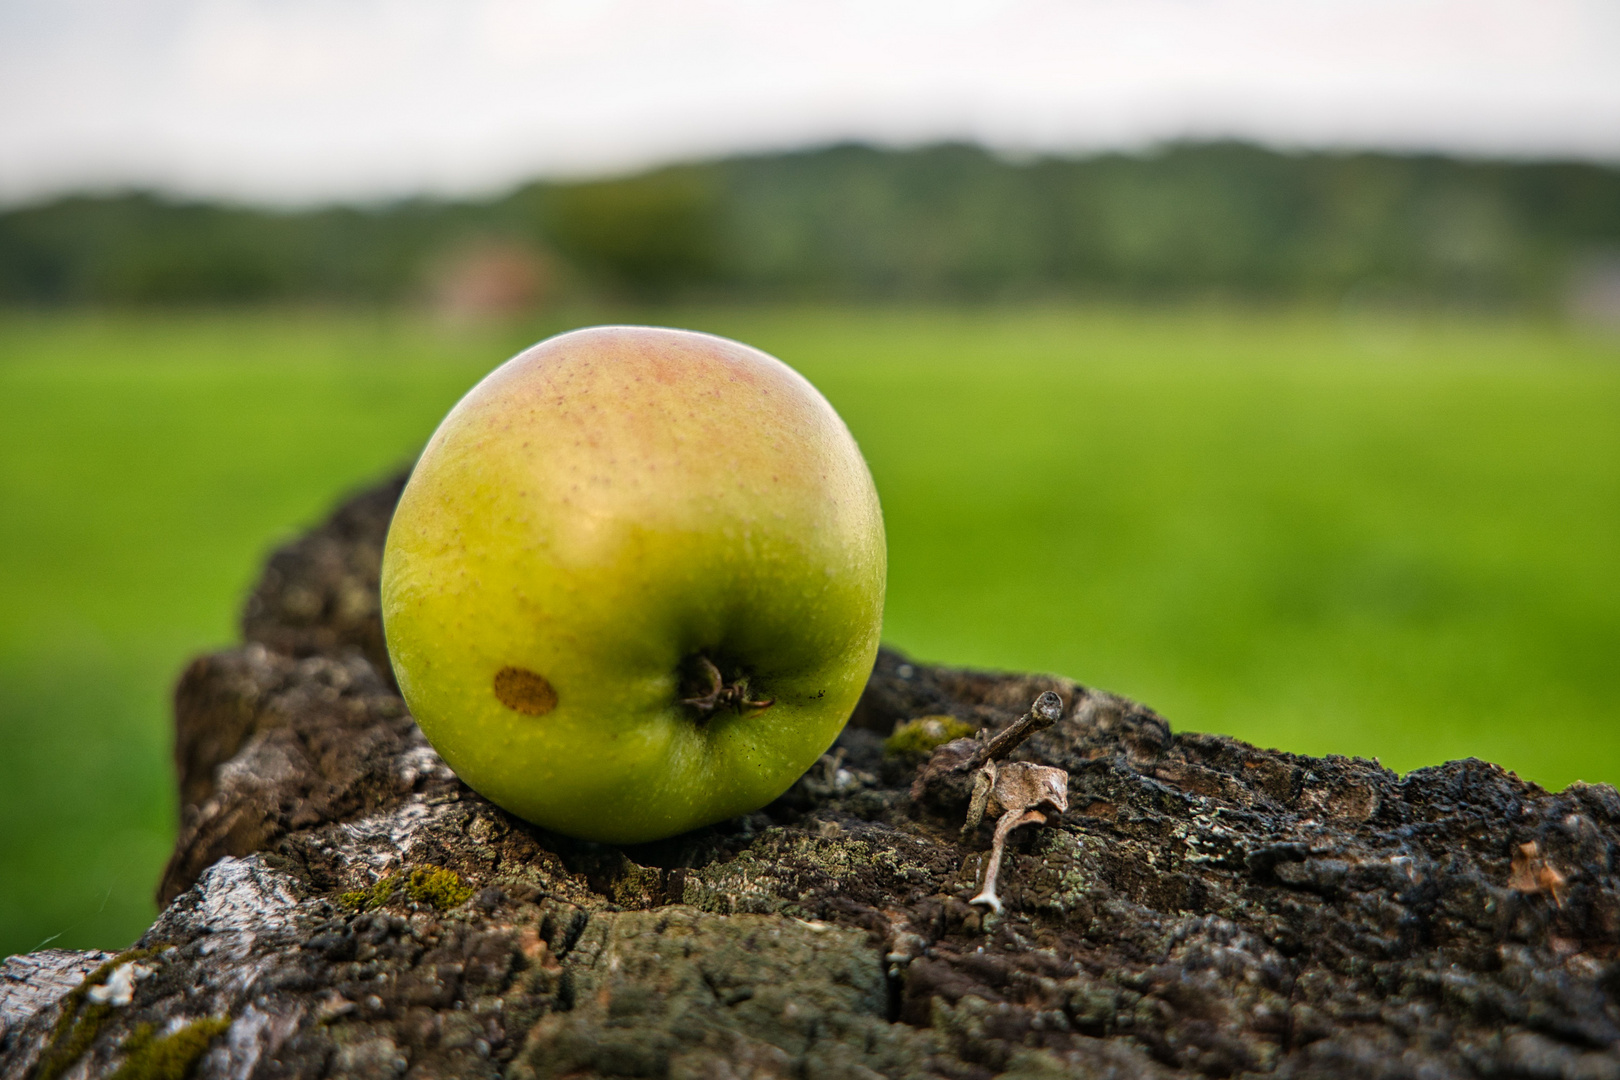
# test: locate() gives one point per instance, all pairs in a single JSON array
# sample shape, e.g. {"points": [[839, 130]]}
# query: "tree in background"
{"points": [[948, 222]]}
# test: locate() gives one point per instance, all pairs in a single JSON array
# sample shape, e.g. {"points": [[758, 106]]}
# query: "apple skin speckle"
{"points": [[524, 691]]}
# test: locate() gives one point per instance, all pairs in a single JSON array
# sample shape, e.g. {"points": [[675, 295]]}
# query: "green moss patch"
{"points": [[169, 1057], [381, 891], [432, 885], [74, 1033], [918, 738], [79, 1023]]}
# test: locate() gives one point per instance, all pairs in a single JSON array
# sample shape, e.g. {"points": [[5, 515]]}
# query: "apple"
{"points": [[635, 583]]}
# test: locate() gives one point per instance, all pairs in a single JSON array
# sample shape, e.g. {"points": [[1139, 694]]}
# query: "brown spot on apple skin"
{"points": [[525, 691]]}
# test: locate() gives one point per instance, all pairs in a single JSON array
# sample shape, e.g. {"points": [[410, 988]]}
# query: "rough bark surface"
{"points": [[339, 904]]}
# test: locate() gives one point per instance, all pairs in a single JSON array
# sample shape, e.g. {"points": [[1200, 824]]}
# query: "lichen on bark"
{"points": [[339, 904]]}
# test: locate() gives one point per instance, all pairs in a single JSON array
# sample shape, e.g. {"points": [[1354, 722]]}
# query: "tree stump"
{"points": [[339, 904]]}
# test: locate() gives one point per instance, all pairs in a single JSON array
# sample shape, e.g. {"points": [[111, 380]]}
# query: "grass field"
{"points": [[1389, 537]]}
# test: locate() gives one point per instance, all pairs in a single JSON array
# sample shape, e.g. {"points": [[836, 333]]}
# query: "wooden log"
{"points": [[339, 904]]}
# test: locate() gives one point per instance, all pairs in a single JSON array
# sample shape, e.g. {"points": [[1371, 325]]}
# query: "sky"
{"points": [[300, 101]]}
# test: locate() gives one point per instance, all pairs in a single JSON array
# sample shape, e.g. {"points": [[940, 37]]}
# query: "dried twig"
{"points": [[1046, 711], [944, 781], [1531, 873], [1015, 789]]}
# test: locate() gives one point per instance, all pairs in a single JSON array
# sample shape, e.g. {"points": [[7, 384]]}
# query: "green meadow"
{"points": [[1391, 536]]}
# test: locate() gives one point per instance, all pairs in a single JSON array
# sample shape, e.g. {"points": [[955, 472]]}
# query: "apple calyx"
{"points": [[719, 694]]}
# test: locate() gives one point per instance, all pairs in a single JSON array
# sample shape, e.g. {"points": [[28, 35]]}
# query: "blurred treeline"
{"points": [[947, 222]]}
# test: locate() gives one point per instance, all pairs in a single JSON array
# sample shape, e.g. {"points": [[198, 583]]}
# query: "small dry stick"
{"points": [[1046, 711], [1531, 873], [1015, 788]]}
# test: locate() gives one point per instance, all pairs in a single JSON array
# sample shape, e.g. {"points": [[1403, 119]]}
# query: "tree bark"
{"points": [[339, 904]]}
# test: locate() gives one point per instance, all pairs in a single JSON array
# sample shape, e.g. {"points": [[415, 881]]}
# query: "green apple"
{"points": [[635, 582]]}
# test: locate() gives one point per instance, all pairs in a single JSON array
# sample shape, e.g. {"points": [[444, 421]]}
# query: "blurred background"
{"points": [[1257, 359]]}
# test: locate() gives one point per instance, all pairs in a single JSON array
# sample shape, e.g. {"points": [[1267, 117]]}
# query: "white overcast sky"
{"points": [[299, 100]]}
